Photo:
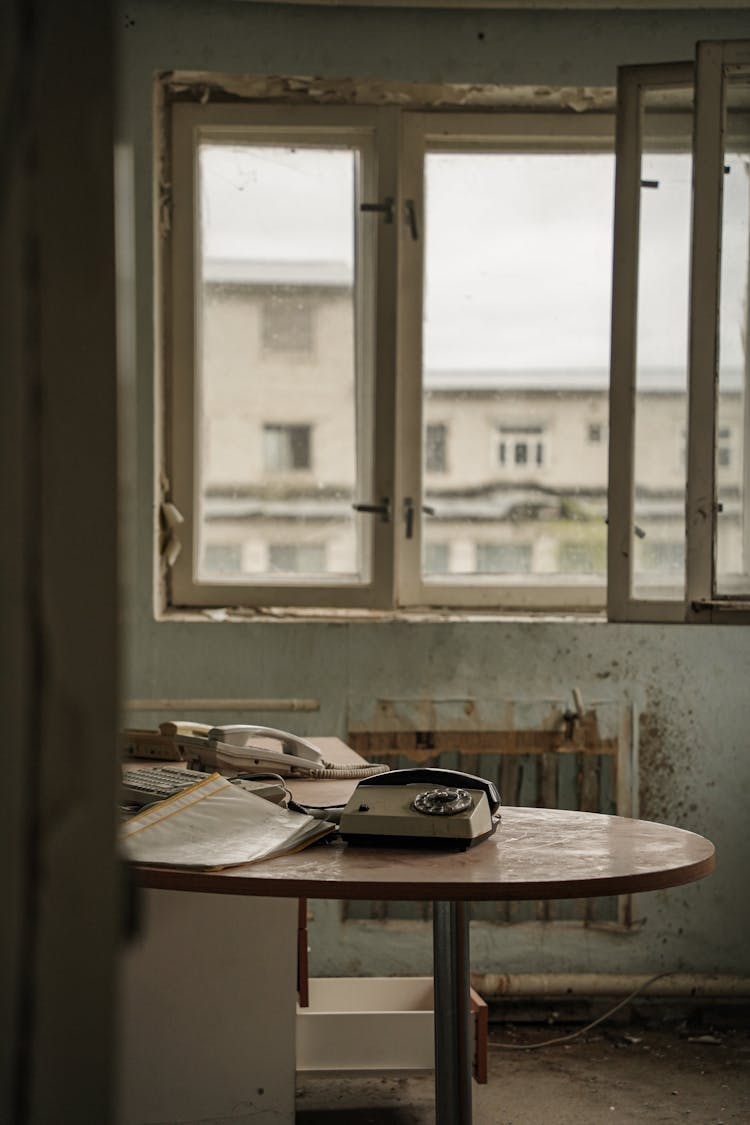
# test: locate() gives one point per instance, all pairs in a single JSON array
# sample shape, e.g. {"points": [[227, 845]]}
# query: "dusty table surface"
{"points": [[534, 854]]}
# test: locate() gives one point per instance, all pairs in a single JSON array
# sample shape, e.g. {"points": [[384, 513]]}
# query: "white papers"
{"points": [[216, 824]]}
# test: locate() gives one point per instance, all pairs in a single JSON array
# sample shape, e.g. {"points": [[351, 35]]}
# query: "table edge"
{"points": [[267, 886]]}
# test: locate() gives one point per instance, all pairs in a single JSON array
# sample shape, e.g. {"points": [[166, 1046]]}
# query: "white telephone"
{"points": [[239, 749], [243, 747]]}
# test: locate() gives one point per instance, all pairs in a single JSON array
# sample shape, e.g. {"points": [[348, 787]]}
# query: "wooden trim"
{"points": [[624, 314], [527, 5], [704, 314], [632, 81], [384, 743], [481, 1015]]}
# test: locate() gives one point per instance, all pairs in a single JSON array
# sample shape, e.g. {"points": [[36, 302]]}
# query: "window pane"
{"points": [[662, 357], [503, 558], [297, 558], [223, 558], [436, 447], [516, 361], [277, 464], [733, 526], [288, 323], [286, 448], [437, 554], [582, 557]]}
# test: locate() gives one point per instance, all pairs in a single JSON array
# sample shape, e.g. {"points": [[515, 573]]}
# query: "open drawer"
{"points": [[373, 1023]]}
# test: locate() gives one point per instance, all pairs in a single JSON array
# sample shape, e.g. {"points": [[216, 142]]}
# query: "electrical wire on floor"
{"points": [[589, 1026]]}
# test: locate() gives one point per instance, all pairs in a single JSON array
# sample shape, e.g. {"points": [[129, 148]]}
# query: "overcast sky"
{"points": [[518, 251]]}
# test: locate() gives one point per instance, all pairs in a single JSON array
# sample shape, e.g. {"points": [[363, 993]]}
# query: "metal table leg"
{"points": [[450, 933]]}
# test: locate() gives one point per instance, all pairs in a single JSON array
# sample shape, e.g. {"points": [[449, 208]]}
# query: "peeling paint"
{"points": [[202, 86]]}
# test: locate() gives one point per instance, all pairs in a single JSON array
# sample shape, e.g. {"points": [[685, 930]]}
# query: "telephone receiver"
{"points": [[449, 779], [242, 747]]}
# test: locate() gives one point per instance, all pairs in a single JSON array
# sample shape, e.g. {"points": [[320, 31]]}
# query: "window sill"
{"points": [[414, 615]]}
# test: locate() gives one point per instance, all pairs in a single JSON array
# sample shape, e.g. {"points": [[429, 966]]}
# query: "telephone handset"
{"points": [[236, 744], [239, 748], [246, 748]]}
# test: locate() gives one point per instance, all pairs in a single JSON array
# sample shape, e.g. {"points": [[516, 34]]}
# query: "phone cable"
{"points": [[331, 772]]}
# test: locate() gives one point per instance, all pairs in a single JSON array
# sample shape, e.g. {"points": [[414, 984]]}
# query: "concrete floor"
{"points": [[626, 1076]]}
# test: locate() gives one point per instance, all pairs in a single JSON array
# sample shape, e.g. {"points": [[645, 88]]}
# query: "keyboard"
{"points": [[157, 783]]}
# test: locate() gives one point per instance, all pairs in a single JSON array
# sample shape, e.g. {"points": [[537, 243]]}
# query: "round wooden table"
{"points": [[534, 854]]}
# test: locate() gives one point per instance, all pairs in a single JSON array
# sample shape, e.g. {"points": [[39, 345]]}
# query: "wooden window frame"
{"points": [[374, 131], [553, 132], [700, 603], [389, 408]]}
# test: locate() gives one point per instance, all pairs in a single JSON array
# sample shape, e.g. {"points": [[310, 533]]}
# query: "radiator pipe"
{"points": [[187, 706], [583, 986]]}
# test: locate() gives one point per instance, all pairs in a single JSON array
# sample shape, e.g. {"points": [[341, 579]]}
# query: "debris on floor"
{"points": [[661, 1076]]}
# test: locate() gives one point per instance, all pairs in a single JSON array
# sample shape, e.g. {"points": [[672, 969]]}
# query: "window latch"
{"points": [[385, 208], [409, 511], [410, 214], [383, 509]]}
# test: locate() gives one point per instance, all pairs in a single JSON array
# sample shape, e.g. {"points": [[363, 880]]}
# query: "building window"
{"points": [[441, 305], [582, 557], [662, 557], [287, 323], [437, 557], [503, 558], [521, 445], [296, 558], [222, 560], [436, 447], [286, 448]]}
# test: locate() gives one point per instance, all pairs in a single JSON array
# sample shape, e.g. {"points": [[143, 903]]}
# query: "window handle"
{"points": [[409, 510], [385, 208], [410, 214], [383, 509]]}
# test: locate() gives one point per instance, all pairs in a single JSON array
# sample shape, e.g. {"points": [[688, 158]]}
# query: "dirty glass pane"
{"points": [[733, 524], [276, 473], [662, 352], [516, 366]]}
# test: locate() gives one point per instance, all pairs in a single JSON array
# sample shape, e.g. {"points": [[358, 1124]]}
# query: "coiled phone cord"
{"points": [[331, 772]]}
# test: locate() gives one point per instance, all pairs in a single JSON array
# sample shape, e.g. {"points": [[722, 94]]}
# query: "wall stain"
{"points": [[666, 775]]}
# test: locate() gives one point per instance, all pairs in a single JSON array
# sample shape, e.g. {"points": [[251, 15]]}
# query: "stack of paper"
{"points": [[215, 824]]}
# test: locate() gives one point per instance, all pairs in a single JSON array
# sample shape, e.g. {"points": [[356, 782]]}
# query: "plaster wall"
{"points": [[684, 686]]}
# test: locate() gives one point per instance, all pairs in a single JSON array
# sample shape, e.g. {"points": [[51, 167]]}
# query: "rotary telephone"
{"points": [[422, 807]]}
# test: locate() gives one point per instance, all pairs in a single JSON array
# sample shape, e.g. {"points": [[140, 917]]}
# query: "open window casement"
{"points": [[679, 515]]}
